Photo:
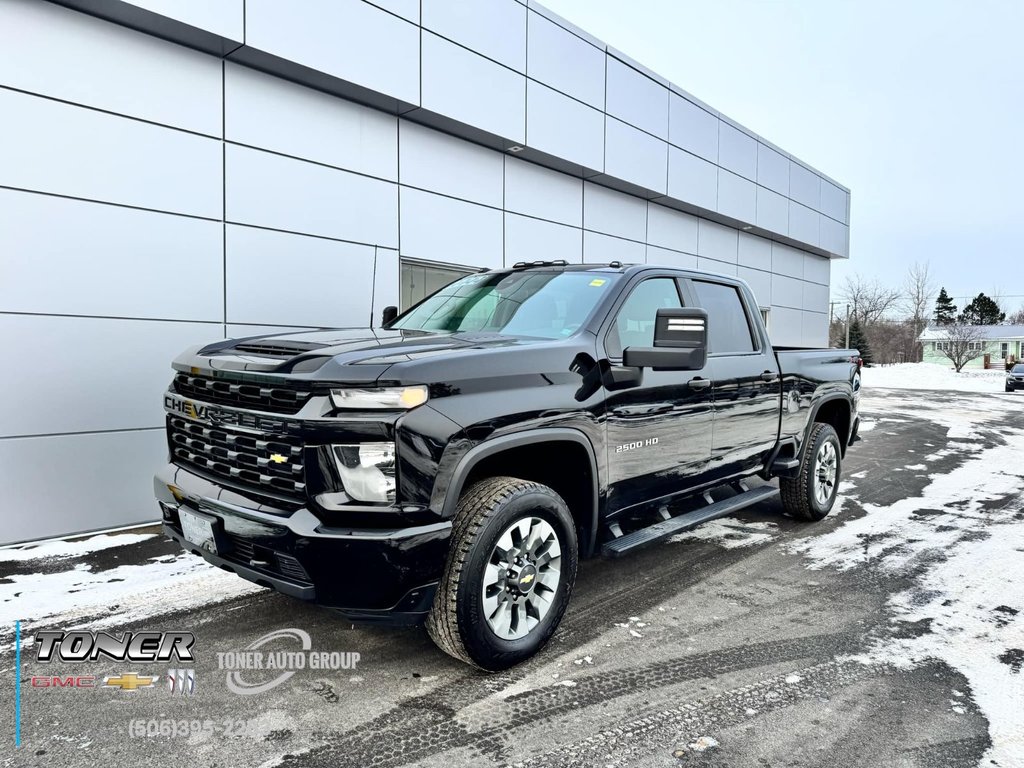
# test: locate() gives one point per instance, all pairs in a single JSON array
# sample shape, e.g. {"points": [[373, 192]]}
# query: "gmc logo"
{"points": [[70, 681], [186, 408]]}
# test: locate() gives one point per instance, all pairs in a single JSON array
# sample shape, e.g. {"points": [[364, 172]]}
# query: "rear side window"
{"points": [[634, 323], [728, 326]]}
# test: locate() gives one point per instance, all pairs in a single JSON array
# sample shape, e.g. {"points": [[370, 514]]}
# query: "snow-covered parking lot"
{"points": [[925, 376], [890, 634]]}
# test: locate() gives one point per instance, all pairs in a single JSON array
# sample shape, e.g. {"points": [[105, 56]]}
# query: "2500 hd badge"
{"points": [[638, 444], [452, 465]]}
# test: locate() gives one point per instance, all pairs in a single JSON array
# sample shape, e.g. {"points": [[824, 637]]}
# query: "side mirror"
{"points": [[680, 342], [389, 314]]}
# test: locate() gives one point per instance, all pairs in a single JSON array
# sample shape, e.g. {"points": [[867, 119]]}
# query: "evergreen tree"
{"points": [[859, 341], [982, 311], [945, 309]]}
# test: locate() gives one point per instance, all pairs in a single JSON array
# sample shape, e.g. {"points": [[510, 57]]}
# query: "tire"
{"points": [[461, 621], [1010, 389], [800, 496]]}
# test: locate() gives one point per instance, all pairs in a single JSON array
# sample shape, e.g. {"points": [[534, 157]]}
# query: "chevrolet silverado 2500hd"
{"points": [[453, 465]]}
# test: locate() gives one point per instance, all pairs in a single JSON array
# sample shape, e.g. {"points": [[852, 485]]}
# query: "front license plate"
{"points": [[198, 529]]}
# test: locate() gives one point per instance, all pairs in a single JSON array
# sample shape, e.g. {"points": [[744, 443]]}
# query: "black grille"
{"points": [[255, 396], [292, 568], [262, 462], [245, 551], [242, 549], [275, 349]]}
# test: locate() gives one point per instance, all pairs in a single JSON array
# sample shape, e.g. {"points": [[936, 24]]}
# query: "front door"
{"points": [[659, 430], [747, 386]]}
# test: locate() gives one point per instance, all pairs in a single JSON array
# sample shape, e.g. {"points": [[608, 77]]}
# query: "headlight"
{"points": [[367, 470], [389, 398]]}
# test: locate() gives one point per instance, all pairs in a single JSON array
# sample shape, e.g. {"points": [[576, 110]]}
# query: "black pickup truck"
{"points": [[454, 465]]}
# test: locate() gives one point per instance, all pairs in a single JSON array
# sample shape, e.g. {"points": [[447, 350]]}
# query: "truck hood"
{"points": [[347, 356]]}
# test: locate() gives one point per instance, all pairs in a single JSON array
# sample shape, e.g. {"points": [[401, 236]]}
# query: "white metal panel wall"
{"points": [[165, 198], [350, 39]]}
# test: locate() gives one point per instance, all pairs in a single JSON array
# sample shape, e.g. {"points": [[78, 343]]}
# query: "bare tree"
{"points": [[997, 296], [869, 300], [962, 343], [1016, 318], [894, 341], [918, 295]]}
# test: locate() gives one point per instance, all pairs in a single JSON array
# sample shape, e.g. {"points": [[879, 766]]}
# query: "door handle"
{"points": [[643, 410], [769, 376], [699, 383]]}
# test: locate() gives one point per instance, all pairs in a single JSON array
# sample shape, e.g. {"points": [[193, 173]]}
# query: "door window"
{"points": [[729, 331], [634, 323]]}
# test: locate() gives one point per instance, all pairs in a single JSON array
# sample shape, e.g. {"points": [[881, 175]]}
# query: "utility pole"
{"points": [[847, 326]]}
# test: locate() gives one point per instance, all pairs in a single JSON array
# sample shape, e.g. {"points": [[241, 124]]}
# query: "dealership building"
{"points": [[177, 171]]}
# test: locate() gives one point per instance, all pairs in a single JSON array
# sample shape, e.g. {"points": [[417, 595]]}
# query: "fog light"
{"points": [[367, 470]]}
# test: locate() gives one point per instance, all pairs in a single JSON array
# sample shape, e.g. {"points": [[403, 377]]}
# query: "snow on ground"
{"points": [[972, 601], [963, 540], [730, 533], [109, 597], [933, 376], [61, 548]]}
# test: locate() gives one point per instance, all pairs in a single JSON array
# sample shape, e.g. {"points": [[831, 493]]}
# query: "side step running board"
{"points": [[685, 522], [784, 465]]}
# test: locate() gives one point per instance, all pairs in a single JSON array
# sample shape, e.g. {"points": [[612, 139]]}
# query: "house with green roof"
{"points": [[997, 345]]}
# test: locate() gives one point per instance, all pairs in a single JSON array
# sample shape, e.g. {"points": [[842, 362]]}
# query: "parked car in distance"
{"points": [[1015, 378]]}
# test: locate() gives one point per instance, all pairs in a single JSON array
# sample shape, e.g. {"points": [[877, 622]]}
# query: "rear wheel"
{"points": [[509, 575], [811, 494]]}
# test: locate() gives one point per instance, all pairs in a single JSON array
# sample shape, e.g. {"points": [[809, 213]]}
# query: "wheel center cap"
{"points": [[526, 578]]}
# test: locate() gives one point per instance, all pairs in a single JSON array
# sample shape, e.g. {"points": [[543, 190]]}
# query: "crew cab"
{"points": [[453, 465]]}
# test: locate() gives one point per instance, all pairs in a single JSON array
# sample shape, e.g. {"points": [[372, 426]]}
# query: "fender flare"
{"points": [[846, 398], [495, 445]]}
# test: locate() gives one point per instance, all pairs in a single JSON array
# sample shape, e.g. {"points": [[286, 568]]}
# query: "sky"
{"points": [[917, 106]]}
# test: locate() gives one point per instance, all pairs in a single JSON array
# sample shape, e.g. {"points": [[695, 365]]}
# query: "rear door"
{"points": [[747, 387], [659, 431]]}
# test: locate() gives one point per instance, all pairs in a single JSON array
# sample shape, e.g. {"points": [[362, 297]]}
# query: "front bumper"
{"points": [[368, 574]]}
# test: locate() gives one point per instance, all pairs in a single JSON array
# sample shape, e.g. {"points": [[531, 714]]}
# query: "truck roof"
{"points": [[616, 267], [564, 266]]}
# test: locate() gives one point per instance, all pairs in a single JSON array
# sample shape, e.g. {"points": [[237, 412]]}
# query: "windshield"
{"points": [[1018, 369], [547, 304]]}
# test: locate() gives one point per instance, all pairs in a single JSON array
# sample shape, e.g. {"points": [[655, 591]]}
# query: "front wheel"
{"points": [[509, 573], [811, 494]]}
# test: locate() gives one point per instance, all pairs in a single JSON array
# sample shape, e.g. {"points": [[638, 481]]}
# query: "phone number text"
{"points": [[184, 728]]}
